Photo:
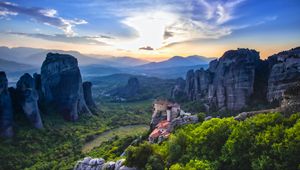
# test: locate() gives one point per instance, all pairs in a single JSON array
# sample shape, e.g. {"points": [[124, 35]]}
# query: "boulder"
{"points": [[87, 91], [119, 164], [62, 85], [127, 168], [109, 166], [6, 110], [29, 99]]}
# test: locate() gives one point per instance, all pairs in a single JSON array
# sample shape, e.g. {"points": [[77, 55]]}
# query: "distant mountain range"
{"points": [[16, 61], [178, 61], [35, 56]]}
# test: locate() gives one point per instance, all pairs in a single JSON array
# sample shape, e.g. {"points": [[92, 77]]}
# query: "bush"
{"points": [[201, 116], [138, 156]]}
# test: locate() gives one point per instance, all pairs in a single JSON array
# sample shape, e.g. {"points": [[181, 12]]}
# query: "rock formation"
{"points": [[99, 164], [291, 100], [131, 88], [28, 97], [127, 92], [6, 111], [239, 77], [228, 82], [285, 72], [62, 85], [87, 91], [177, 93]]}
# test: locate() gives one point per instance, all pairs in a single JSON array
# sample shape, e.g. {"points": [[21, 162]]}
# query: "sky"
{"points": [[151, 29]]}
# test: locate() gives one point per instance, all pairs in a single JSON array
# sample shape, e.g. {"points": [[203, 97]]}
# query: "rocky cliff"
{"points": [[239, 77], [58, 88], [6, 112], [285, 72], [28, 99], [87, 91], [62, 85], [130, 90]]}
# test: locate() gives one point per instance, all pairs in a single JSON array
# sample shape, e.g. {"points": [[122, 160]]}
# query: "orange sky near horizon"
{"points": [[183, 49]]}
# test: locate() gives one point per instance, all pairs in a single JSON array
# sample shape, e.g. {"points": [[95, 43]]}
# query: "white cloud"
{"points": [[163, 23], [45, 16]]}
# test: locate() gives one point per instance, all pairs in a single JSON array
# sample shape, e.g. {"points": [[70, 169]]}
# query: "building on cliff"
{"points": [[166, 116]]}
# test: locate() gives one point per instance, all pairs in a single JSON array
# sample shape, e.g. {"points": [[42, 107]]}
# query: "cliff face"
{"points": [[239, 76], [228, 82], [62, 85], [6, 112], [129, 90], [28, 99], [285, 72], [87, 91]]}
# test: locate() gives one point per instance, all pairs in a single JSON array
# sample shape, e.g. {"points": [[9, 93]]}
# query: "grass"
{"points": [[121, 132]]}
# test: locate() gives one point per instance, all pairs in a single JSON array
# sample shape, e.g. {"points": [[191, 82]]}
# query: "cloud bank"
{"points": [[45, 16]]}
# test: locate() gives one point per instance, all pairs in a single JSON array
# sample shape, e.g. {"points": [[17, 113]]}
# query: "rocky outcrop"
{"points": [[131, 89], [285, 72], [240, 78], [291, 100], [129, 92], [99, 164], [87, 91], [62, 85], [228, 82], [28, 99], [177, 93], [6, 111]]}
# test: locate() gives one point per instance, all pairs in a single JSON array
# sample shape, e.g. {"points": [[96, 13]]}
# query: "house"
{"points": [[166, 116]]}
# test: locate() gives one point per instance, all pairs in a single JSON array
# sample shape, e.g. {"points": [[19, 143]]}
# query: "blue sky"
{"points": [[154, 29]]}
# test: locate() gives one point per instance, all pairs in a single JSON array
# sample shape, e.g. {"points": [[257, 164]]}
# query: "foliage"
{"points": [[193, 106], [265, 141], [138, 156], [201, 116], [59, 144]]}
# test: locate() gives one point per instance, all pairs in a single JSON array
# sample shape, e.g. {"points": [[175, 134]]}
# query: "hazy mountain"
{"points": [[35, 56], [98, 70], [127, 61], [11, 66], [178, 61], [168, 72]]}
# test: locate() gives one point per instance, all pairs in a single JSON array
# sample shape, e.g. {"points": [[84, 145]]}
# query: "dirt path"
{"points": [[121, 132]]}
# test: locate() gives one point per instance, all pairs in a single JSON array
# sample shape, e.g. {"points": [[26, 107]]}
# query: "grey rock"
{"points": [[119, 164], [87, 91], [62, 85], [190, 84], [127, 168], [177, 92], [38, 86], [131, 89], [29, 99], [291, 100], [208, 118], [6, 110], [285, 72], [109, 166], [228, 82]]}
